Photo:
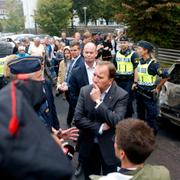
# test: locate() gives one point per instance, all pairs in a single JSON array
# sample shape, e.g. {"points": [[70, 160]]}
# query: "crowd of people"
{"points": [[111, 88]]}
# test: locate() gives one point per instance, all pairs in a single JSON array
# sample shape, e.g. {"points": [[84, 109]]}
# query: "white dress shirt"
{"points": [[90, 72]]}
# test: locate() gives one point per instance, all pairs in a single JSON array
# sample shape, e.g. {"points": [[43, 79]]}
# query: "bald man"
{"points": [[82, 75]]}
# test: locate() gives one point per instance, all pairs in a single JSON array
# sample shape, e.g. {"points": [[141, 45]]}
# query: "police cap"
{"points": [[25, 65], [145, 45]]}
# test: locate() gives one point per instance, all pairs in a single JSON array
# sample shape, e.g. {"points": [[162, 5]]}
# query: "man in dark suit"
{"points": [[83, 74], [100, 107], [77, 60]]}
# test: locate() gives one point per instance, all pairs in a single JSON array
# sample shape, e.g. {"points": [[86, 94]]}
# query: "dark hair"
{"points": [[111, 67], [136, 138], [75, 43]]}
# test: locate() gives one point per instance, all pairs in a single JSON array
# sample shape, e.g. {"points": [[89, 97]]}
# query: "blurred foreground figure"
{"points": [[27, 150], [134, 142]]}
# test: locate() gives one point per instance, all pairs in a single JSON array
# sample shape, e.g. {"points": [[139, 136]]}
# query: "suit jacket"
{"points": [[89, 119], [52, 115], [78, 62], [78, 79]]}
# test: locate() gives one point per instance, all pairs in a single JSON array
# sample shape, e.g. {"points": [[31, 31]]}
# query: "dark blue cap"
{"points": [[145, 45], [25, 65]]}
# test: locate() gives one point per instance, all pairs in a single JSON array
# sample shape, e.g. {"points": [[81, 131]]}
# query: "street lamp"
{"points": [[85, 8]]}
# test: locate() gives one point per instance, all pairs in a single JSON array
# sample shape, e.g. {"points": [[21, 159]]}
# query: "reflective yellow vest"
{"points": [[124, 64], [144, 78], [2, 61]]}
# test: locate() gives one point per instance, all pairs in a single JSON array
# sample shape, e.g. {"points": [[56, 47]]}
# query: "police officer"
{"points": [[27, 150], [145, 84], [31, 67], [6, 49], [126, 62]]}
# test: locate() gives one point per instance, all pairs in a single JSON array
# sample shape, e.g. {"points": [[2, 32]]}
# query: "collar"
{"points": [[75, 59], [88, 67], [142, 61], [126, 52], [107, 90]]}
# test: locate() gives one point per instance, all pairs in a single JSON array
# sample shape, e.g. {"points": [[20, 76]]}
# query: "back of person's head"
{"points": [[6, 48], [136, 139]]}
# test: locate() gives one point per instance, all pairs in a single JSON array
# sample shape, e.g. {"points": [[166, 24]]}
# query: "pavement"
{"points": [[167, 150]]}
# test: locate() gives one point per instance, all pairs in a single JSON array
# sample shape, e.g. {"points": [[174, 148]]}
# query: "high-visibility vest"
{"points": [[2, 61], [144, 78], [124, 64]]}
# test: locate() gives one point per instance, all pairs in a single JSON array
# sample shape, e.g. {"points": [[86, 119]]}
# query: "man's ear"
{"points": [[122, 154]]}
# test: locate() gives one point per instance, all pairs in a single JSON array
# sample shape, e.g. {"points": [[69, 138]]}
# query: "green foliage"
{"points": [[92, 11], [15, 18], [152, 20], [108, 10], [96, 9], [1, 27], [53, 15]]}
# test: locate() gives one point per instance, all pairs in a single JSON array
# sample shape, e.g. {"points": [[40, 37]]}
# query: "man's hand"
{"points": [[63, 87], [68, 134], [58, 86], [58, 141], [105, 127], [134, 86], [99, 46], [95, 93]]}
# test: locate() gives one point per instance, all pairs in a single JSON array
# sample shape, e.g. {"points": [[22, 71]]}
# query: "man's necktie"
{"points": [[69, 71]]}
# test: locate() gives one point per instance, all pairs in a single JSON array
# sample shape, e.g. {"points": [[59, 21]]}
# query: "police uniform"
{"points": [[147, 71], [5, 50], [46, 109], [126, 62], [27, 150]]}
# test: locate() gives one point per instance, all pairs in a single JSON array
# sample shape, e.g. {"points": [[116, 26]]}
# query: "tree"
{"points": [[152, 20], [95, 9], [90, 13], [53, 15], [1, 27], [15, 18], [108, 10]]}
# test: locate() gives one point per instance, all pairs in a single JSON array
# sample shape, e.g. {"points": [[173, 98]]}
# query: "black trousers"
{"points": [[71, 109], [127, 85], [95, 163]]}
